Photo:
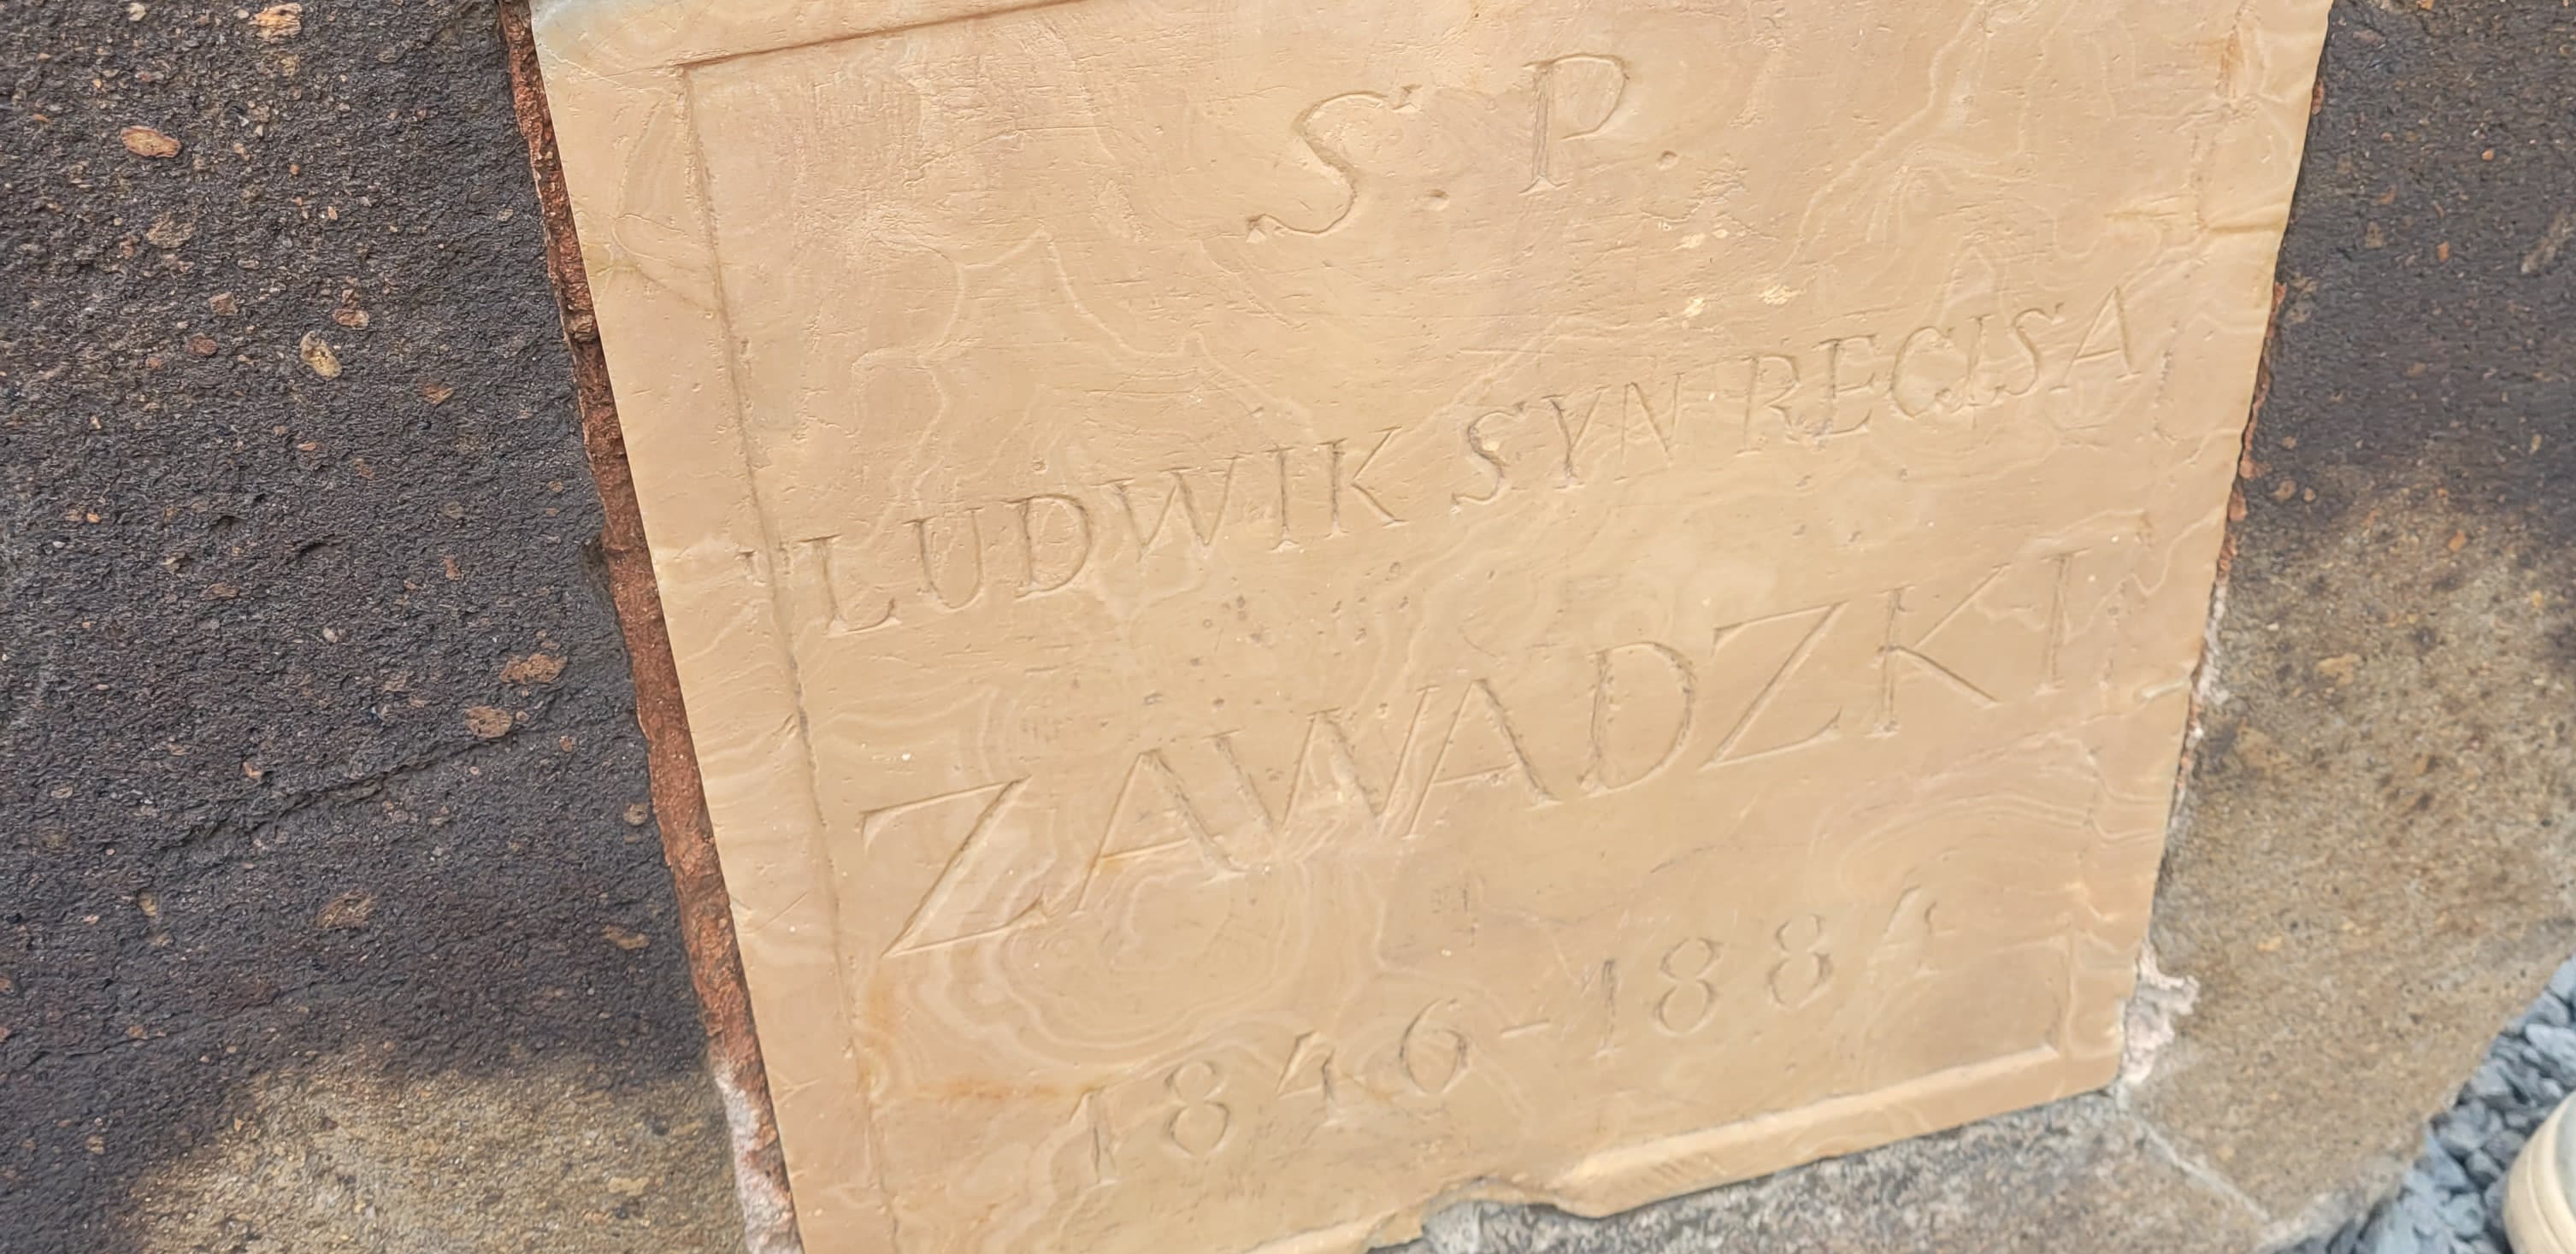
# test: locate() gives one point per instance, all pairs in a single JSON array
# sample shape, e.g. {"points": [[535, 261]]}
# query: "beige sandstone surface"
{"points": [[1293, 611]]}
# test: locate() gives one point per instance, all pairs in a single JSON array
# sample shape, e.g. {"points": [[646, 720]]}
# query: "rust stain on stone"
{"points": [[679, 799]]}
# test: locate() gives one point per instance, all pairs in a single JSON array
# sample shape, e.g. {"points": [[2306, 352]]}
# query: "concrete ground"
{"points": [[332, 906]]}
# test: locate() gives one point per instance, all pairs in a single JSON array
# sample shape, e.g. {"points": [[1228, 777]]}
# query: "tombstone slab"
{"points": [[1296, 611]]}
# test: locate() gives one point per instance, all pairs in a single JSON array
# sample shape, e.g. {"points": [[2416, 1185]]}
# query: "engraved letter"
{"points": [[819, 552], [1634, 400], [1777, 405], [1942, 396], [1968, 398], [1896, 647], [1790, 664], [1503, 751], [1571, 432], [1075, 551], [1571, 89], [1328, 757], [2106, 336], [1280, 454], [2052, 656], [1137, 825], [2029, 349], [978, 891], [1352, 482], [1624, 692], [1483, 452], [1836, 389], [930, 562], [1316, 139], [1203, 527], [2106, 341]]}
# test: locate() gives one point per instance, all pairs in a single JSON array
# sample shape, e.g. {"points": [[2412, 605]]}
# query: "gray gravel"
{"points": [[2452, 1200]]}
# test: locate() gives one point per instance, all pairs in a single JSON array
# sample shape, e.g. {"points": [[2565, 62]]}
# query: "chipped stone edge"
{"points": [[2151, 1022], [678, 792], [2207, 691]]}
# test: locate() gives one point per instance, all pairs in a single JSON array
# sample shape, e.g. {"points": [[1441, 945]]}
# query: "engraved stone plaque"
{"points": [[1297, 610]]}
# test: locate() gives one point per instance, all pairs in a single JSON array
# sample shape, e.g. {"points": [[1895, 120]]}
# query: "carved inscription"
{"points": [[1736, 977], [1556, 729], [1572, 98], [1590, 596], [2056, 361]]}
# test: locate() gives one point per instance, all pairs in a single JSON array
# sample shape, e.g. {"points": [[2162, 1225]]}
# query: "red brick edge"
{"points": [[679, 796]]}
